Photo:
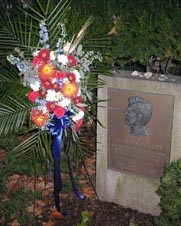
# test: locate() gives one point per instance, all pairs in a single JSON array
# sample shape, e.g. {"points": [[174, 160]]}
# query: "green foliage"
{"points": [[21, 29], [14, 105], [170, 194], [149, 34], [9, 142], [85, 218]]}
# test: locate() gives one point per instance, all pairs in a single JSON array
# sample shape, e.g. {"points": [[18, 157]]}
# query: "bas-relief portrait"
{"points": [[137, 142], [137, 115]]}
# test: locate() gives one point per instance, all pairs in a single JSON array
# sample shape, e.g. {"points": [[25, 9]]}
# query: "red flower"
{"points": [[46, 84], [38, 117], [71, 77], [32, 96], [42, 93], [72, 61], [79, 124], [50, 106], [36, 61], [56, 86], [59, 111], [60, 74], [78, 100], [44, 55]]}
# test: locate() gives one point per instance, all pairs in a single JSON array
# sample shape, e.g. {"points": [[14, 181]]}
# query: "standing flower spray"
{"points": [[58, 87]]}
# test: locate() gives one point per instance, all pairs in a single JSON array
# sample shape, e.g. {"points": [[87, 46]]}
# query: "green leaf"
{"points": [[37, 145]]}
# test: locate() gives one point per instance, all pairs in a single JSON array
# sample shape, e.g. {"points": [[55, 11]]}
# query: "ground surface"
{"points": [[101, 214]]}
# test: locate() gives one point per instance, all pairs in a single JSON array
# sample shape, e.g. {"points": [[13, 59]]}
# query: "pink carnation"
{"points": [[32, 96], [59, 111], [72, 61]]}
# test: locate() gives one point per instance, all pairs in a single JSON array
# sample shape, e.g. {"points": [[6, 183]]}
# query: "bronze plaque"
{"points": [[139, 131]]}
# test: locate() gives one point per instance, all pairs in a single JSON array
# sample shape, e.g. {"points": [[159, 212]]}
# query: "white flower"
{"points": [[62, 59], [44, 109], [81, 114], [52, 95], [79, 92], [52, 55], [54, 80], [65, 80], [35, 53], [78, 116], [77, 75], [35, 86], [65, 102], [66, 47]]}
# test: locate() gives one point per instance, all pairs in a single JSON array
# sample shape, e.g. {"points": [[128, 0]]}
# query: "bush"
{"points": [[170, 194], [149, 34]]}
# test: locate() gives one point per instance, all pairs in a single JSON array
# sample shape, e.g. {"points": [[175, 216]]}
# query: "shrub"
{"points": [[149, 34], [170, 196]]}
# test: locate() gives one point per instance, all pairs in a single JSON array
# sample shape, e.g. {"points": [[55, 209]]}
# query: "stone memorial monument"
{"points": [[141, 131]]}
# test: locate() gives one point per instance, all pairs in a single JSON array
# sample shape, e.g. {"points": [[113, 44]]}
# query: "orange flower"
{"points": [[47, 72], [38, 117], [69, 90]]}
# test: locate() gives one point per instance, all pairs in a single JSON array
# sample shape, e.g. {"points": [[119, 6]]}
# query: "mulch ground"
{"points": [[101, 214]]}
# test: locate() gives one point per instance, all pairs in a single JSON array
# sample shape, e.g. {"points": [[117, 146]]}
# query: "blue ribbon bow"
{"points": [[56, 127]]}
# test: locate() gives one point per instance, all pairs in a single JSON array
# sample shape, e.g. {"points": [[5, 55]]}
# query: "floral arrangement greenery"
{"points": [[48, 81]]}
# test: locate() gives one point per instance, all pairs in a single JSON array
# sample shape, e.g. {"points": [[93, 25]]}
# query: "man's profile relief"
{"points": [[137, 115]]}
